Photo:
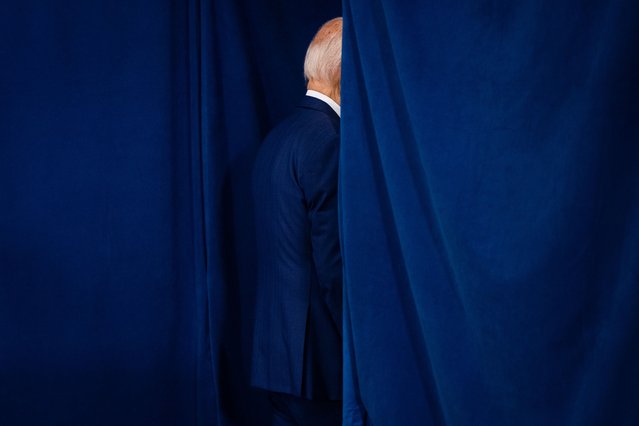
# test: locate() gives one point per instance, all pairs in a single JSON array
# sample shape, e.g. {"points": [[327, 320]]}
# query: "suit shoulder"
{"points": [[299, 137], [306, 125]]}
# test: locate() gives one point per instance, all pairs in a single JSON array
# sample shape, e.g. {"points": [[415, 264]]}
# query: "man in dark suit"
{"points": [[297, 346]]}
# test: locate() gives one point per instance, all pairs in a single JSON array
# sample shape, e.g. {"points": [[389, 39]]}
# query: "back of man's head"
{"points": [[323, 63]]}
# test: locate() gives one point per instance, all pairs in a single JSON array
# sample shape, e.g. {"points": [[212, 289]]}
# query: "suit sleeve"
{"points": [[318, 178]]}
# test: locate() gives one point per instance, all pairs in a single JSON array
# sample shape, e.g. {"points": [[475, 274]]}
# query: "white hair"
{"points": [[323, 60]]}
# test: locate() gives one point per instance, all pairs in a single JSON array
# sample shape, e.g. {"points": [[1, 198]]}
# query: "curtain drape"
{"points": [[490, 212]]}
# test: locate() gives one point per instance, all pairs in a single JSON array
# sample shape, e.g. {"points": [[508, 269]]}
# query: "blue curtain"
{"points": [[490, 212], [127, 130], [98, 296]]}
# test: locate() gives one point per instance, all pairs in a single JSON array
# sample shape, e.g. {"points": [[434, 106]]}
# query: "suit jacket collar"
{"points": [[309, 102]]}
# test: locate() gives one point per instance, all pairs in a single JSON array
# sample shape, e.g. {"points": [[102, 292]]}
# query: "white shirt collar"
{"points": [[329, 101]]}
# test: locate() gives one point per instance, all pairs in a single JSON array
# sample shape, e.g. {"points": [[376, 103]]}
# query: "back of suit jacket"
{"points": [[297, 335]]}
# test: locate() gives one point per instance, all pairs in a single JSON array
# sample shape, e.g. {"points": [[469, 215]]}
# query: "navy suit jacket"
{"points": [[297, 345]]}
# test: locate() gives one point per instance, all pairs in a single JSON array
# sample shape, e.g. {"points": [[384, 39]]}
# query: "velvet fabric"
{"points": [[490, 212]]}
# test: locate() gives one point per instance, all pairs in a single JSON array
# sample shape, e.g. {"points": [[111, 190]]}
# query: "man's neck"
{"points": [[331, 92], [322, 97]]}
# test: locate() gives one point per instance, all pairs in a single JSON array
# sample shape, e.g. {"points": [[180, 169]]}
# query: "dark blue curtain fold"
{"points": [[490, 212], [99, 314]]}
